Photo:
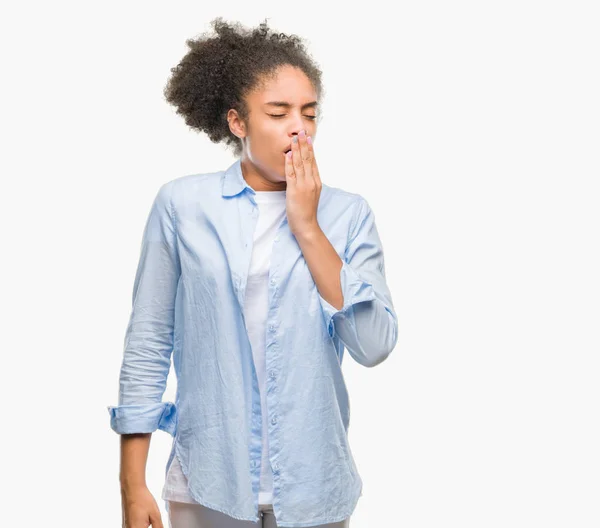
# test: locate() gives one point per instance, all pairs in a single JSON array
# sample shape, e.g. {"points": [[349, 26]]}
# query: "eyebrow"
{"points": [[312, 104]]}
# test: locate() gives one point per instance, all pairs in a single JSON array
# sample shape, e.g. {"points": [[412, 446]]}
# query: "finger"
{"points": [[315, 168], [305, 154], [156, 520], [290, 177], [297, 160]]}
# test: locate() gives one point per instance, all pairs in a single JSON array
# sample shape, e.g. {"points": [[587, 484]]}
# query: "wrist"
{"points": [[129, 485], [308, 232]]}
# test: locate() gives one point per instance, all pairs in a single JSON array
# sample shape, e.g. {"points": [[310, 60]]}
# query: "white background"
{"points": [[472, 128]]}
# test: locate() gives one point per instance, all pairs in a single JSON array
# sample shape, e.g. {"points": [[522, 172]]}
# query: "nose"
{"points": [[297, 132], [296, 126]]}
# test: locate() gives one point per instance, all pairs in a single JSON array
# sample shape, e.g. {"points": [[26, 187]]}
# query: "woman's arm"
{"points": [[353, 291], [139, 507], [149, 337], [134, 455], [146, 361]]}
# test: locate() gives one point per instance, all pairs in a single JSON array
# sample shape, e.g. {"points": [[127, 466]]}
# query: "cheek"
{"points": [[267, 141]]}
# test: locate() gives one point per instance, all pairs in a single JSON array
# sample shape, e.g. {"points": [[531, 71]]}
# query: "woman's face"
{"points": [[278, 110]]}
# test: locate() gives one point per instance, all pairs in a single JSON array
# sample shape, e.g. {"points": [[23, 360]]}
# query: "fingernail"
{"points": [[309, 140]]}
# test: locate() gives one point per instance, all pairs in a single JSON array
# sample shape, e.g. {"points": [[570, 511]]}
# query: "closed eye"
{"points": [[283, 115]]}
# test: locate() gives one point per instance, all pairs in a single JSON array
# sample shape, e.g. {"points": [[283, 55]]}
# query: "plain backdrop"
{"points": [[472, 130]]}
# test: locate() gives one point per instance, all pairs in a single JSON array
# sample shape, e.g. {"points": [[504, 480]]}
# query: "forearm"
{"points": [[323, 262], [134, 455], [353, 292]]}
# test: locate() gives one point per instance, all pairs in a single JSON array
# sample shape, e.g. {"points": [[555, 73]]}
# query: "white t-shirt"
{"points": [[271, 205]]}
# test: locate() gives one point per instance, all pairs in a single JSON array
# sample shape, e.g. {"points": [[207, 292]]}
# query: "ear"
{"points": [[236, 125]]}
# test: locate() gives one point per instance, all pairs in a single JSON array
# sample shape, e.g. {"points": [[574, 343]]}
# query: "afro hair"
{"points": [[219, 70]]}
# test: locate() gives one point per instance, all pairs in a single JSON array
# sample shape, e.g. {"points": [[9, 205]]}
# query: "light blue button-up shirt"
{"points": [[188, 303]]}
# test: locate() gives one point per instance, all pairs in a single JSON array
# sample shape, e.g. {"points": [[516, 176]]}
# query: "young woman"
{"points": [[254, 279]]}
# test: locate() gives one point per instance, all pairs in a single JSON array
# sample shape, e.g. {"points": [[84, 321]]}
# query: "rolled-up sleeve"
{"points": [[366, 324], [148, 343]]}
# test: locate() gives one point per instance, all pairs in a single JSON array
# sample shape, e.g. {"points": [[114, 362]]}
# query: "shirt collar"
{"points": [[233, 181]]}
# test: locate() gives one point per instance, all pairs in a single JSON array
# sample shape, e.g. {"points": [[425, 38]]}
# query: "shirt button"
{"points": [[273, 420], [273, 282], [276, 466], [272, 374], [271, 327]]}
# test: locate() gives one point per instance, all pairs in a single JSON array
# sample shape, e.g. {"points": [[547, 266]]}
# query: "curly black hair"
{"points": [[218, 72]]}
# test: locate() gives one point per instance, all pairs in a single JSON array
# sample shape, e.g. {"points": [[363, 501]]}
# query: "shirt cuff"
{"points": [[354, 290], [143, 418]]}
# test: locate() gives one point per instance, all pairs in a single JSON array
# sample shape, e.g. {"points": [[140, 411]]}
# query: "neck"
{"points": [[257, 179]]}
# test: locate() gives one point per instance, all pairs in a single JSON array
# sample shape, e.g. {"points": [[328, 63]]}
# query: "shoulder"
{"points": [[353, 204], [340, 198], [194, 181], [182, 189]]}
